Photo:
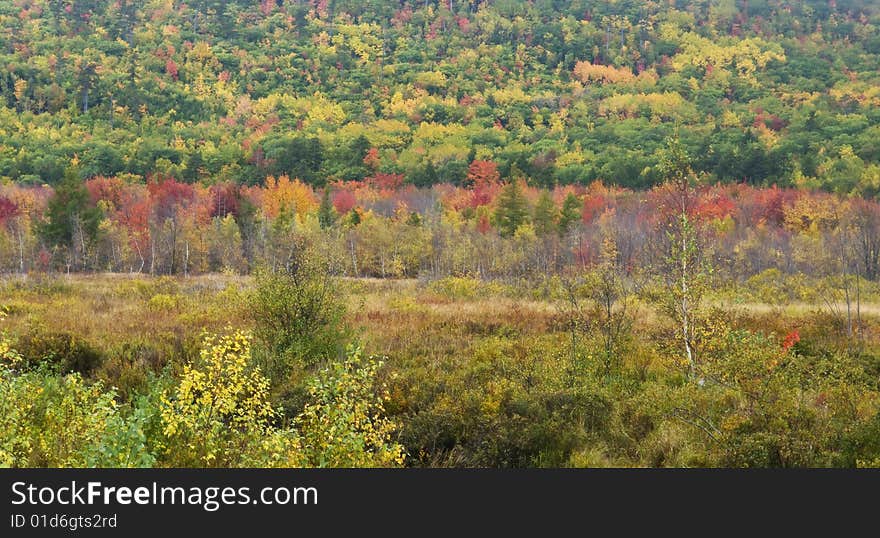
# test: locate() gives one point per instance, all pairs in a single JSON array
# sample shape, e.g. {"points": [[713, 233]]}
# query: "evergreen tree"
{"points": [[513, 209], [71, 218], [571, 213], [326, 212], [298, 157], [545, 214], [194, 166], [358, 150], [425, 177], [431, 177]]}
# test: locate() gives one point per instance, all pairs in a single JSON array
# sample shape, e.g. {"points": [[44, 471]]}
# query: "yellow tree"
{"points": [[285, 195]]}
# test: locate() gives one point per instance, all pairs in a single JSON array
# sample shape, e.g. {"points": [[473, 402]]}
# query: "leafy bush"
{"points": [[61, 351], [128, 367], [8, 356], [503, 403], [344, 425], [759, 402], [61, 421], [298, 316], [220, 416], [163, 302], [459, 287]]}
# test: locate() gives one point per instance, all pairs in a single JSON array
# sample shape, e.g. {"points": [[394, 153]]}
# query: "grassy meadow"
{"points": [[481, 373]]}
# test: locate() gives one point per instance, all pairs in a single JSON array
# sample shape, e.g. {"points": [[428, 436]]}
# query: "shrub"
{"points": [[163, 302], [61, 421], [8, 356], [455, 287], [502, 403], [770, 286], [61, 351], [220, 416], [298, 318], [128, 367], [343, 425], [466, 288], [758, 401]]}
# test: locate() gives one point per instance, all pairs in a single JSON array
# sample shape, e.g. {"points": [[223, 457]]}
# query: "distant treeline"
{"points": [[489, 229]]}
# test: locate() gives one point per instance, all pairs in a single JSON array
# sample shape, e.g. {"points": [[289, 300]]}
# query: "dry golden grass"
{"points": [[109, 308], [390, 316]]}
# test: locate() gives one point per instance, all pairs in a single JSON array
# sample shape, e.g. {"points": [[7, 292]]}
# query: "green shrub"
{"points": [[298, 317], [505, 402], [63, 352], [62, 421]]}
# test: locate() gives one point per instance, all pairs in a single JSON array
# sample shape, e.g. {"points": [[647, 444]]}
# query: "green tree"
{"points": [[72, 220], [358, 150], [195, 167], [512, 210], [546, 215], [326, 212], [570, 214], [296, 156], [425, 177]]}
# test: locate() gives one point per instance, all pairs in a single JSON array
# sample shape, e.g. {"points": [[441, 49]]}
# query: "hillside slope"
{"points": [[560, 92]]}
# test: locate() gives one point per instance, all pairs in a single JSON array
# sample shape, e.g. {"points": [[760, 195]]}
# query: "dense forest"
{"points": [[195, 125], [763, 92], [455, 233]]}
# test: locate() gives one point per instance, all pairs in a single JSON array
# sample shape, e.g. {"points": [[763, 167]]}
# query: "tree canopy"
{"points": [[566, 92]]}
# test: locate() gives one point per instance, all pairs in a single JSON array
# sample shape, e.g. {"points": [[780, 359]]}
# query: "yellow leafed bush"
{"points": [[344, 425], [220, 415]]}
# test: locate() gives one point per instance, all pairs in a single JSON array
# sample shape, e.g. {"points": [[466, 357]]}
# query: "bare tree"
{"points": [[611, 314]]}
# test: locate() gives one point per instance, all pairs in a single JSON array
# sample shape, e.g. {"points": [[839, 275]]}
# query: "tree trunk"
{"points": [[20, 249], [353, 258]]}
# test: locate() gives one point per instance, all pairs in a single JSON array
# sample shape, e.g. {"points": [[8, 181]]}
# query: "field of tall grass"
{"points": [[481, 373]]}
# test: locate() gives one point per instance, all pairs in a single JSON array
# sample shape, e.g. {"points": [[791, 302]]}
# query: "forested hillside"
{"points": [[561, 92], [195, 137]]}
